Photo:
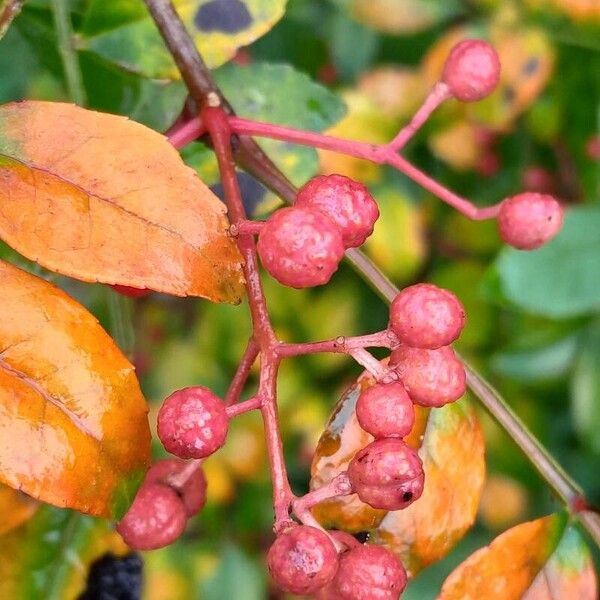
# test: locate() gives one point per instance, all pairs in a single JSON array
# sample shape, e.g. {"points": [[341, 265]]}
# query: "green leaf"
{"points": [[585, 390], [548, 362], [278, 94], [237, 577], [560, 279], [123, 32], [49, 556]]}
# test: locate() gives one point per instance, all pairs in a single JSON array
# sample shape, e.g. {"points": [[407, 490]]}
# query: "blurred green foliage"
{"points": [[533, 317]]}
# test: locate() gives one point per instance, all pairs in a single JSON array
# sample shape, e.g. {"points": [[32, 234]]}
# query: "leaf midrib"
{"points": [[34, 385]]}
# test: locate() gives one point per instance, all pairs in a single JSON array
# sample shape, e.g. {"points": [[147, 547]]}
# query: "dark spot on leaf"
{"points": [[531, 66], [226, 16], [114, 578], [253, 192]]}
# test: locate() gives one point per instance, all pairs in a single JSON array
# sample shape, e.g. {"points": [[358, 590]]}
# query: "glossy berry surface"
{"points": [[529, 220], [426, 316], [346, 202], [302, 560], [385, 410], [367, 572], [192, 423], [131, 292], [431, 377], [156, 518], [472, 70], [300, 247], [193, 491], [387, 474]]}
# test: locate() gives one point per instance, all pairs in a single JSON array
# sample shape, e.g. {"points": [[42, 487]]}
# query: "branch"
{"points": [[8, 12], [68, 53], [251, 157], [205, 92]]}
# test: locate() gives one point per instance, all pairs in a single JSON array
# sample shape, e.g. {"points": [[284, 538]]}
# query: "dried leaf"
{"points": [[73, 422], [101, 198], [539, 560]]}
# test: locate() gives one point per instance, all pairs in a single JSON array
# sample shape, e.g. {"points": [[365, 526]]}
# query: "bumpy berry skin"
{"points": [[346, 202], [432, 378], [367, 572], [472, 70], [426, 316], [156, 518], [193, 492], [529, 220], [302, 560], [300, 247], [387, 474], [130, 292], [385, 410], [192, 423]]}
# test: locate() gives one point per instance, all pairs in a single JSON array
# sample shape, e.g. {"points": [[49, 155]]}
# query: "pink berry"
{"points": [[538, 179], [156, 518], [385, 410], [529, 220], [302, 560], [431, 377], [192, 423], [426, 316], [472, 70], [131, 292], [300, 247], [387, 474], [592, 148], [193, 491], [367, 572], [346, 202]]}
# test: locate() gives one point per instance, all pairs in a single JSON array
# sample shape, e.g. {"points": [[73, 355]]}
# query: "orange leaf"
{"points": [[341, 440], [538, 560], [73, 422], [15, 508], [101, 198], [452, 450], [450, 444]]}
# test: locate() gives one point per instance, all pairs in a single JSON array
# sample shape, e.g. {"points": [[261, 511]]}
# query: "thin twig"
{"points": [[68, 53], [8, 12]]}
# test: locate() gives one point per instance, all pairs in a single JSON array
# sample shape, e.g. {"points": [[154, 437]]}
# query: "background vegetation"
{"points": [[358, 68]]}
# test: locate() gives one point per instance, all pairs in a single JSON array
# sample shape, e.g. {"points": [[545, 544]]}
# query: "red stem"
{"points": [[241, 375], [217, 126], [341, 344], [438, 94], [243, 407], [383, 154]]}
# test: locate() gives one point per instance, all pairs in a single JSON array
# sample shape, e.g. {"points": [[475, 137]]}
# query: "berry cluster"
{"points": [[301, 246]]}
